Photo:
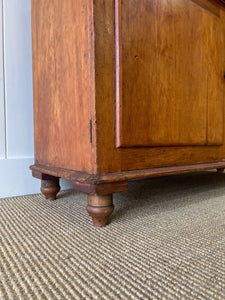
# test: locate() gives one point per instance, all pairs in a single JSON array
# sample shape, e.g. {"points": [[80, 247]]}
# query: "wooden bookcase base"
{"points": [[100, 187]]}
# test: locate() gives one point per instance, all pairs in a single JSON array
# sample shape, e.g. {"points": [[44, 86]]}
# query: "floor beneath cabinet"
{"points": [[166, 240]]}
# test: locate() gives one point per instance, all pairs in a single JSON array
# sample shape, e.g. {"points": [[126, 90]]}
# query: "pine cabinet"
{"points": [[126, 89]]}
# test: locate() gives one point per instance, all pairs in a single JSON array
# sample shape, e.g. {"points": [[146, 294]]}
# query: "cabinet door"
{"points": [[169, 73]]}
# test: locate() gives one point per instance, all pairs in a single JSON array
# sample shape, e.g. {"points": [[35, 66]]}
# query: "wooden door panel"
{"points": [[215, 82], [169, 73]]}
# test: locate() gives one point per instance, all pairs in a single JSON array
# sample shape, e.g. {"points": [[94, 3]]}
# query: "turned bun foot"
{"points": [[100, 208], [220, 170], [50, 188]]}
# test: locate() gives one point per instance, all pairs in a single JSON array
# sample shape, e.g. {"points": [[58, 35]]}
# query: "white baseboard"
{"points": [[16, 178]]}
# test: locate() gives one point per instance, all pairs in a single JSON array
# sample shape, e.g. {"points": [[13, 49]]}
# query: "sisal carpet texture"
{"points": [[166, 240]]}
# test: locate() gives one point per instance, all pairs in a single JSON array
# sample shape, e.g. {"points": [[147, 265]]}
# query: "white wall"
{"points": [[2, 108], [16, 109]]}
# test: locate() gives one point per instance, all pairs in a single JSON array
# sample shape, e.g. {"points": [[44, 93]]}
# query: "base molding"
{"points": [[85, 182], [101, 187]]}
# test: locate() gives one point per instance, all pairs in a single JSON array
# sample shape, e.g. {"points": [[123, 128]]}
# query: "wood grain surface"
{"points": [[148, 74], [169, 74], [62, 68], [190, 125]]}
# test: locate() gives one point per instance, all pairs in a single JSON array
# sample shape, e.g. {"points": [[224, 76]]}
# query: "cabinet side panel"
{"points": [[61, 79]]}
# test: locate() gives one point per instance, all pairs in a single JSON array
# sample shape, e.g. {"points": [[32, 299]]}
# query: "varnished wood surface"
{"points": [[62, 68], [100, 208], [212, 6], [98, 179], [101, 188], [50, 188], [74, 81], [169, 74], [110, 159]]}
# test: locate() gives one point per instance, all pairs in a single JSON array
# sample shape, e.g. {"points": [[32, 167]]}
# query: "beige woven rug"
{"points": [[166, 240]]}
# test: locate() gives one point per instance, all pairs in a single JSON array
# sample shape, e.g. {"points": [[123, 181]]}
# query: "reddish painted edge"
{"points": [[43, 176], [100, 189], [124, 176]]}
